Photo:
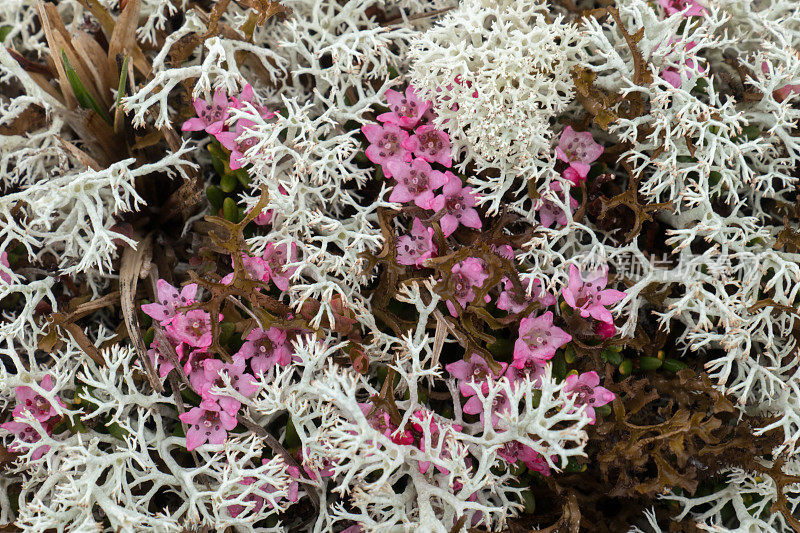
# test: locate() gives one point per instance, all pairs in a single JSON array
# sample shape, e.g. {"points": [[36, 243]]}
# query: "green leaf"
{"points": [[292, 439], [243, 177], [673, 365], [227, 329], [649, 363], [117, 431], [611, 356], [229, 210], [123, 78], [228, 183], [4, 31], [149, 336], [85, 100], [528, 501], [215, 196]]}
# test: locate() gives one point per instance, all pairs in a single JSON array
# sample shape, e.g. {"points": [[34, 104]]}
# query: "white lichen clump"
{"points": [[715, 143]]}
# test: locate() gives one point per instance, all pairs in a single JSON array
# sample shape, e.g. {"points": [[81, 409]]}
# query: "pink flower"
{"points": [[193, 367], [587, 295], [255, 267], [26, 433], [243, 383], [459, 205], [500, 404], [695, 8], [430, 144], [783, 93], [192, 327], [265, 349], [576, 176], [514, 451], [533, 370], [28, 400], [779, 94], [386, 145], [293, 490], [258, 501], [5, 276], [313, 472], [381, 421], [405, 109], [466, 274], [504, 250], [672, 75], [508, 300], [262, 219], [417, 421], [158, 359], [276, 257], [415, 248], [536, 463], [587, 391], [207, 424], [416, 182], [578, 149], [550, 212], [211, 116], [474, 371], [238, 142], [605, 329], [538, 339], [247, 96], [169, 300]]}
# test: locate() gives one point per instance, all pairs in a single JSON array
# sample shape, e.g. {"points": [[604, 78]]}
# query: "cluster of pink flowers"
{"points": [[32, 403], [579, 150], [212, 117], [405, 145], [189, 332], [537, 341], [271, 265]]}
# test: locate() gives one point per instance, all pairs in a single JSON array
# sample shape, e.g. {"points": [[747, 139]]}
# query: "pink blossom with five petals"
{"points": [[406, 110], [431, 144], [417, 247], [169, 300], [467, 274], [415, 182], [509, 301], [265, 349], [386, 145], [538, 339], [588, 296], [459, 205], [471, 372], [207, 423], [586, 391], [578, 149], [211, 115]]}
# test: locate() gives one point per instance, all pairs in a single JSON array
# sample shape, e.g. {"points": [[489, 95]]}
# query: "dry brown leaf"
{"points": [[132, 261]]}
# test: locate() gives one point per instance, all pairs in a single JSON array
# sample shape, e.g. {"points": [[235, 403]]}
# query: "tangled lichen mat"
{"points": [[387, 266]]}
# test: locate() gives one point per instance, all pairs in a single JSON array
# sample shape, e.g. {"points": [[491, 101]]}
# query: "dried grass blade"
{"points": [[132, 261]]}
